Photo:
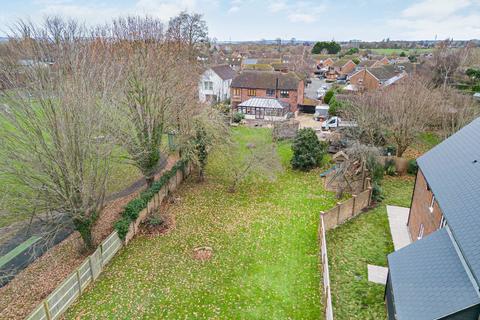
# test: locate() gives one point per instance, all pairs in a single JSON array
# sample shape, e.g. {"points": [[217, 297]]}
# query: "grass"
{"points": [[391, 51], [265, 261], [361, 241]]}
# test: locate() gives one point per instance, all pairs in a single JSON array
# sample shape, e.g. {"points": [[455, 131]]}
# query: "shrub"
{"points": [[328, 96], [403, 54], [308, 151], [356, 60], [377, 192], [155, 221], [237, 117], [390, 150], [122, 227], [412, 167], [133, 208], [390, 168]]}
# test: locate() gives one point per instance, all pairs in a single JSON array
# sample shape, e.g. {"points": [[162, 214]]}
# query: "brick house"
{"points": [[438, 275], [375, 78], [285, 87], [339, 68]]}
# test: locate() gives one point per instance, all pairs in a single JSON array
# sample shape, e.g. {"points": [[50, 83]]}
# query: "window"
{"points": [[251, 92], [270, 92], [443, 222], [420, 232], [432, 202], [208, 85], [284, 94], [236, 91]]}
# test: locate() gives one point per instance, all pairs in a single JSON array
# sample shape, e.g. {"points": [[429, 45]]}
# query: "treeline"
{"points": [[77, 95]]}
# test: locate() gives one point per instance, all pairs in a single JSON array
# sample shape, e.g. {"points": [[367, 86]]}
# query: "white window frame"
{"points": [[432, 203], [208, 85], [443, 222], [420, 232]]}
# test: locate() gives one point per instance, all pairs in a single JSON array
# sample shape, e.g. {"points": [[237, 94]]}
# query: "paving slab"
{"points": [[397, 219], [377, 274]]}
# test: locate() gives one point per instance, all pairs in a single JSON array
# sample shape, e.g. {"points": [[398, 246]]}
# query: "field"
{"points": [[392, 51], [265, 252]]}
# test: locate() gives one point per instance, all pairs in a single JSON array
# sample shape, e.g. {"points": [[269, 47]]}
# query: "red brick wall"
{"points": [[348, 67], [293, 98], [368, 82], [420, 212]]}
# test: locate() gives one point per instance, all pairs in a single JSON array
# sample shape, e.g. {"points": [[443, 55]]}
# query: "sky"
{"points": [[241, 20]]}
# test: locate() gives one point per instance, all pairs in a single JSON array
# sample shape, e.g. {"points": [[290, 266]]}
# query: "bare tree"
{"points": [[54, 144], [188, 29], [400, 112], [446, 61]]}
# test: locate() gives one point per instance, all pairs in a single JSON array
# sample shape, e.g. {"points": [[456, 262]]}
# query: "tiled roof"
{"points": [[366, 63], [384, 73], [224, 72], [269, 103], [265, 80], [340, 63], [428, 280], [452, 170]]}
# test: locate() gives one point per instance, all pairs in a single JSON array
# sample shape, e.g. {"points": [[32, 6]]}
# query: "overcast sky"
{"points": [[367, 20]]}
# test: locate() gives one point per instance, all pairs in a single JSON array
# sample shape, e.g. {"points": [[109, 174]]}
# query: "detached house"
{"points": [[340, 68], [214, 84], [286, 88], [375, 78], [438, 275]]}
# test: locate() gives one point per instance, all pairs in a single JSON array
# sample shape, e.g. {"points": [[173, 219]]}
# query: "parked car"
{"points": [[321, 112], [321, 93], [337, 123]]}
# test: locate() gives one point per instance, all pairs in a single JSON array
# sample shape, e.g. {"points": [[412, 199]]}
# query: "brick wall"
{"points": [[364, 79], [293, 98], [420, 213]]}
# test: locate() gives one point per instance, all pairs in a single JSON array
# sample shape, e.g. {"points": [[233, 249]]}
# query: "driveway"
{"points": [[311, 89]]}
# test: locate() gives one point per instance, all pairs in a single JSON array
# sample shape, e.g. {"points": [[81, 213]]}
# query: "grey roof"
{"points": [[266, 80], [224, 72], [428, 280], [384, 73], [269, 103], [367, 63], [452, 170]]}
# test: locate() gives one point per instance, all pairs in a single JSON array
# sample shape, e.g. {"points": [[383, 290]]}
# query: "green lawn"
{"points": [[265, 263], [361, 241], [392, 51]]}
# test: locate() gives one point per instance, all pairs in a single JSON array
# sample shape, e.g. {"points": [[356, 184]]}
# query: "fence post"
{"points": [[339, 206], [354, 199], [369, 183], [79, 283], [370, 193], [47, 310]]}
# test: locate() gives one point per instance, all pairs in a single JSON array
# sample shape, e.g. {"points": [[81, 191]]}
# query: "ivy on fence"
{"points": [[134, 207]]}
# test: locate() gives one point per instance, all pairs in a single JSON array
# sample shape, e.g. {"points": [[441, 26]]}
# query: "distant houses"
{"points": [[273, 90], [215, 83]]}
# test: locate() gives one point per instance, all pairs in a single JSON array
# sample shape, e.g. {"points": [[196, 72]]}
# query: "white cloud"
{"points": [[459, 19], [302, 17], [277, 6], [233, 9]]}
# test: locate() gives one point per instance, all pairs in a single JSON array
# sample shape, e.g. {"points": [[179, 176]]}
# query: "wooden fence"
{"points": [[329, 220], [64, 295]]}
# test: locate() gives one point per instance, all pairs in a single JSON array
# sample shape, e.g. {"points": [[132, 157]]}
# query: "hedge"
{"points": [[132, 210]]}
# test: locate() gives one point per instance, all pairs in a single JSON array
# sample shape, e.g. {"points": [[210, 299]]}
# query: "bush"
{"points": [[154, 221], [133, 208], [356, 60], [390, 168], [328, 96], [122, 227], [412, 167], [403, 54], [308, 151], [377, 192], [237, 117], [390, 150]]}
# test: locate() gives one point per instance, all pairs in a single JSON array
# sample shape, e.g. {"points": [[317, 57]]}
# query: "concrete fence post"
{"points": [[369, 183], [354, 201], [339, 208], [47, 310], [370, 193], [79, 283]]}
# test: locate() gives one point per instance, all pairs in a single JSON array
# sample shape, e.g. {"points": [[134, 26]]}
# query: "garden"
{"points": [[263, 242]]}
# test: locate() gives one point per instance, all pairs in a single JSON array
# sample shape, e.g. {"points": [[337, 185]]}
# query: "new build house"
{"points": [[286, 88], [377, 77], [215, 83], [438, 275]]}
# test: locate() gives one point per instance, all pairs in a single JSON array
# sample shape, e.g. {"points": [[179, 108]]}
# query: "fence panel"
{"points": [[38, 314], [85, 274], [330, 218], [63, 296], [110, 246], [325, 270], [345, 211], [96, 263]]}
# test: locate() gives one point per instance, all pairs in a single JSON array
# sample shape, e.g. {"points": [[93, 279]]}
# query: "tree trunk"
{"points": [[84, 227], [150, 180], [201, 174]]}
